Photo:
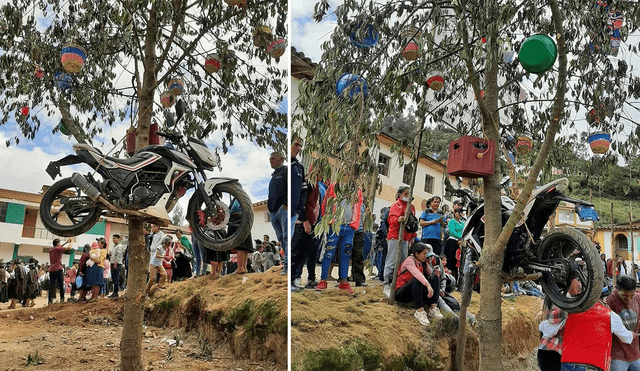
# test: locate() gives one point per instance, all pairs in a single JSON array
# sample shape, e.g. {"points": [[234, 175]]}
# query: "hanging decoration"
{"points": [[508, 54], [262, 36], [176, 86], [538, 53], [229, 61], [471, 157], [167, 99], [353, 84], [238, 3], [411, 51], [596, 115], [524, 145], [411, 33], [39, 72], [364, 37], [607, 33], [63, 129], [212, 63], [599, 142], [24, 110], [435, 80], [277, 48], [63, 81], [72, 58]]}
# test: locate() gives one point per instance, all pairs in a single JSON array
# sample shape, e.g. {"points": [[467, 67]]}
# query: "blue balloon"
{"points": [[353, 83], [370, 39], [63, 80]]}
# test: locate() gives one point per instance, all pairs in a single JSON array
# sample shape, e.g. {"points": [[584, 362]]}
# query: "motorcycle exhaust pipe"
{"points": [[89, 189]]}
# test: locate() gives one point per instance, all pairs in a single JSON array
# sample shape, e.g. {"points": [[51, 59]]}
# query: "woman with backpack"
{"points": [[416, 283], [395, 218]]}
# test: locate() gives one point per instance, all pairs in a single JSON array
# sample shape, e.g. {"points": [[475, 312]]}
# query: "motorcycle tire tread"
{"points": [[59, 230]]}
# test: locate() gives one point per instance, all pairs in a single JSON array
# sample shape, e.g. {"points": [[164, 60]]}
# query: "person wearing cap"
{"points": [[587, 341], [56, 277], [624, 298]]}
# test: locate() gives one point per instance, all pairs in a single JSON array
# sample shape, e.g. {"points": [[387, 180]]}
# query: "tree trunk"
{"points": [[134, 299]]}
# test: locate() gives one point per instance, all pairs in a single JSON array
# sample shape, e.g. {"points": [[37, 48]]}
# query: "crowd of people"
{"points": [[101, 271]]}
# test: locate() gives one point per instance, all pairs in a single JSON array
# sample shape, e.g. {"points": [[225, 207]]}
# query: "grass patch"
{"points": [[34, 359], [354, 355], [167, 306], [259, 320]]}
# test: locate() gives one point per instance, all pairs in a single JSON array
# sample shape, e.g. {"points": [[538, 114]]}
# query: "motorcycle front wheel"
{"points": [[65, 211], [571, 255], [229, 224]]}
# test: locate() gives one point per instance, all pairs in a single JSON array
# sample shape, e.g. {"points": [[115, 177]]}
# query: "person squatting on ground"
{"points": [[416, 283], [586, 345], [625, 357], [394, 219], [342, 242], [55, 269], [158, 245]]}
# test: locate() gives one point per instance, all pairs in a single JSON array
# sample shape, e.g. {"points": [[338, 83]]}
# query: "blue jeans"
{"points": [[199, 257], [574, 367], [280, 223], [618, 365], [344, 244]]}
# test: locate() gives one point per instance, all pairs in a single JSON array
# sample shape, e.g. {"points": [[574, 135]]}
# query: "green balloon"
{"points": [[538, 54]]}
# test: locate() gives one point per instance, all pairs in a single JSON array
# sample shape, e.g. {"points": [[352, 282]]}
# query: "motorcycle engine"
{"points": [[146, 194]]}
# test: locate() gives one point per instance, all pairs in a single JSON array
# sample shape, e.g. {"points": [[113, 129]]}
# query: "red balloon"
{"points": [[25, 110]]}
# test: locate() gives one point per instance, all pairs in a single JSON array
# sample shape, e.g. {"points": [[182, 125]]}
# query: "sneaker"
{"points": [[435, 313], [422, 317], [322, 285], [359, 284], [298, 283], [345, 286], [311, 284], [386, 290]]}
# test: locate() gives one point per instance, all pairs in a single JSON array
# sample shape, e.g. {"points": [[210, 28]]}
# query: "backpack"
{"points": [[412, 224]]}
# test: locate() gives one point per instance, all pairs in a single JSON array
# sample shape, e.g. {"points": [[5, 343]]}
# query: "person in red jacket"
{"points": [[587, 341], [396, 216], [416, 283]]}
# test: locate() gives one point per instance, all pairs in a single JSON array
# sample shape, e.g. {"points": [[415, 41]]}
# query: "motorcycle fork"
{"points": [[200, 179]]}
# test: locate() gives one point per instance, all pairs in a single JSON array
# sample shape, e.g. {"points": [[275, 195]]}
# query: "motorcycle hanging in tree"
{"points": [[148, 185], [559, 256]]}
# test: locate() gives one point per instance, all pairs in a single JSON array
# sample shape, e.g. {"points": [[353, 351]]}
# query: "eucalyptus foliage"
{"points": [[239, 102]]}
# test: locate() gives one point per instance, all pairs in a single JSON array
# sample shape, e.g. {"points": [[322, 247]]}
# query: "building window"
{"points": [[3, 211], [566, 217], [408, 173], [383, 164], [621, 242], [268, 217], [428, 183]]}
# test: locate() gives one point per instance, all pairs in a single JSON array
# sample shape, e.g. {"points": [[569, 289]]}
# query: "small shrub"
{"points": [[34, 359]]}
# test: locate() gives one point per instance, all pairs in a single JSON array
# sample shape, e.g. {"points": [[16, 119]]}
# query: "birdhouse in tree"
{"points": [[411, 51], [154, 138], [212, 63], [277, 47], [524, 145], [72, 58], [471, 157], [167, 99], [435, 80], [176, 86], [262, 36], [599, 142]]}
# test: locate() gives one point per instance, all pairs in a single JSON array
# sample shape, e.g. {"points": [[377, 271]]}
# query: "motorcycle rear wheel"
{"points": [[211, 231], [80, 215], [570, 244]]}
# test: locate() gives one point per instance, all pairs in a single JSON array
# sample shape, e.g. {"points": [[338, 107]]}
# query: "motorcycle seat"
{"points": [[127, 161]]}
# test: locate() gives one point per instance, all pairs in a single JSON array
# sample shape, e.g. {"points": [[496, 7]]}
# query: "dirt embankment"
{"points": [[332, 330], [234, 323]]}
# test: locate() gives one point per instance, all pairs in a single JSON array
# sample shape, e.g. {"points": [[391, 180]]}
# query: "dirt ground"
{"points": [[329, 319], [74, 336]]}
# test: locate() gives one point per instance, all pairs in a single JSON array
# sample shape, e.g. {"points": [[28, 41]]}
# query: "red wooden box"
{"points": [[471, 157], [154, 139]]}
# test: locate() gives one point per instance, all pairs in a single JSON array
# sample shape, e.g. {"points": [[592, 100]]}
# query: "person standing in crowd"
{"points": [[455, 227], [169, 258], [269, 256], [298, 198], [277, 201], [394, 241], [199, 253], [155, 263], [94, 277], [82, 271], [17, 283], [416, 283], [56, 277], [586, 344], [117, 264], [312, 208], [381, 242], [72, 273], [246, 246], [257, 261], [625, 356], [4, 283], [431, 221], [357, 258], [301, 239], [33, 288]]}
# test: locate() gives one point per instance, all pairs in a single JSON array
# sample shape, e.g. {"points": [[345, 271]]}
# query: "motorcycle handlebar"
{"points": [[171, 137]]}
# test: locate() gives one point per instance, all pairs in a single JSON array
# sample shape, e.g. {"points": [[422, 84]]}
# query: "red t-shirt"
{"points": [[620, 350], [55, 258]]}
